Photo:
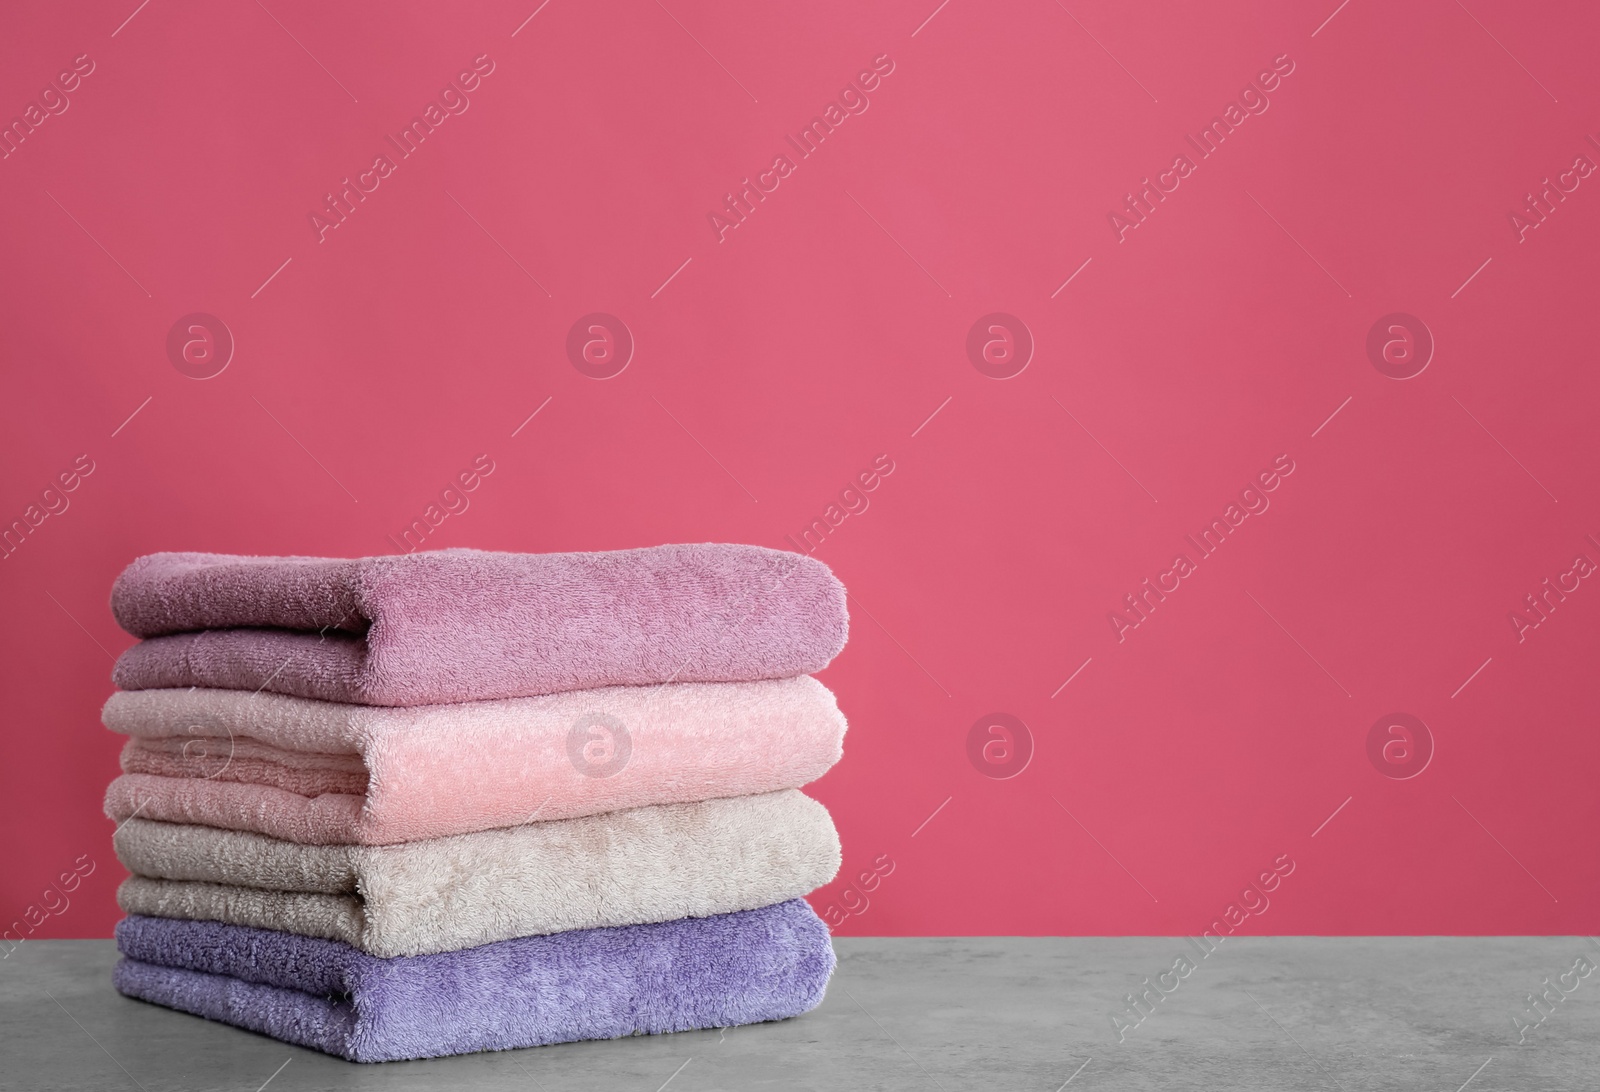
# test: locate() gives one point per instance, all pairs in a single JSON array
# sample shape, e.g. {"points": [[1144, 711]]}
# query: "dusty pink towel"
{"points": [[469, 625], [245, 761], [326, 773]]}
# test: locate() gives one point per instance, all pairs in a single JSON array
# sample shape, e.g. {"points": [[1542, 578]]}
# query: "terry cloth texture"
{"points": [[622, 868], [325, 773], [470, 625], [719, 971]]}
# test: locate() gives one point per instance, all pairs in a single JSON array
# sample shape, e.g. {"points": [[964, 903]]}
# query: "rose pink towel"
{"points": [[323, 773], [468, 625], [245, 761]]}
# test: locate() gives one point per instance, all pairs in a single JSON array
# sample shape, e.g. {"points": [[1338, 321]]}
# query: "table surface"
{"points": [[1033, 1014]]}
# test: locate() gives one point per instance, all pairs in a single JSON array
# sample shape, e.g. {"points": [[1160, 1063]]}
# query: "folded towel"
{"points": [[622, 868], [323, 772], [468, 625], [242, 761], [719, 971]]}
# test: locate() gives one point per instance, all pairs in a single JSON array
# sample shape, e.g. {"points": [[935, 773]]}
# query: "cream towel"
{"points": [[624, 868]]}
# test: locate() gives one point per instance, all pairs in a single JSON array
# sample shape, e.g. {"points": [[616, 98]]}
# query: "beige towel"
{"points": [[623, 868]]}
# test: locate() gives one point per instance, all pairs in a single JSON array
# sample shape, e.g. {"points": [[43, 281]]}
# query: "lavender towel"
{"points": [[469, 625], [739, 968]]}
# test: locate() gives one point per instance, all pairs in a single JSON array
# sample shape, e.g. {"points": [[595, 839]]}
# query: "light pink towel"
{"points": [[470, 625], [324, 773]]}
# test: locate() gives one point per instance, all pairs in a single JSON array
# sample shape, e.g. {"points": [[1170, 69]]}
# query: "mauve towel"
{"points": [[468, 625], [740, 968], [328, 773], [622, 868]]}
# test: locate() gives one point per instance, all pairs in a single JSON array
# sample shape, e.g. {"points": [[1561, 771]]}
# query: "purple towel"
{"points": [[739, 968], [468, 625]]}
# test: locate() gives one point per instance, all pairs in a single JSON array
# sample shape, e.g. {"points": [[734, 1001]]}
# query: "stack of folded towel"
{"points": [[402, 807]]}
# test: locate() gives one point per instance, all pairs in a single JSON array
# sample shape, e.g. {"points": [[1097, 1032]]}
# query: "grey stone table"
{"points": [[1429, 1013]]}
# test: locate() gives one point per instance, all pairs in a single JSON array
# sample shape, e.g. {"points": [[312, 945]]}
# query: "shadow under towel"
{"points": [[622, 868], [720, 971], [470, 625]]}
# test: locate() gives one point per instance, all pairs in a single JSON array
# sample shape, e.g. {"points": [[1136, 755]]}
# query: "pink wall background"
{"points": [[1225, 334]]}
